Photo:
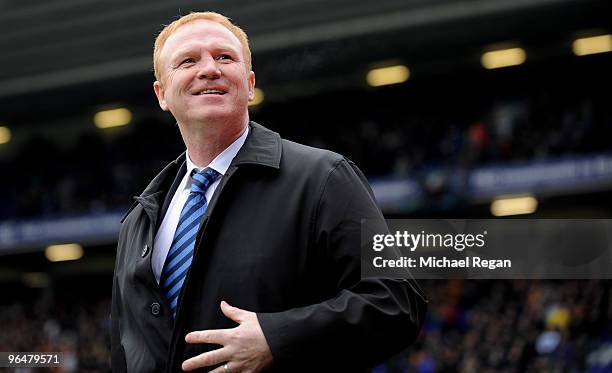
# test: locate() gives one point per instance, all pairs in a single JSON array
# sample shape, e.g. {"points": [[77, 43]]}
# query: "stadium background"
{"points": [[449, 141]]}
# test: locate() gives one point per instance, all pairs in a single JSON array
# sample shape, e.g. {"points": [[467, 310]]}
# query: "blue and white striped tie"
{"points": [[180, 254]]}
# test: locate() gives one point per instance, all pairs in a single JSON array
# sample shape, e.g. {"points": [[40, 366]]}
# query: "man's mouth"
{"points": [[210, 92]]}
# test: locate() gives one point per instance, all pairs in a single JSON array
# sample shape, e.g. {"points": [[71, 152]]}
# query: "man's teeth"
{"points": [[211, 91]]}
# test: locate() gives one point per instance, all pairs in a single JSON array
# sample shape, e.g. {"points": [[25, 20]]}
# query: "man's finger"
{"points": [[233, 368], [207, 359], [231, 312], [214, 336]]}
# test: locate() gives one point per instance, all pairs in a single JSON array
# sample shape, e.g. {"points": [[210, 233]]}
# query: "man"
{"points": [[243, 255]]}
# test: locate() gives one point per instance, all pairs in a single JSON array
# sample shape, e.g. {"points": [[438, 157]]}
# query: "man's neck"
{"points": [[207, 142]]}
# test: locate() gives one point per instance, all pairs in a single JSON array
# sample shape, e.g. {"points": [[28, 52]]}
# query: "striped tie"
{"points": [[180, 254]]}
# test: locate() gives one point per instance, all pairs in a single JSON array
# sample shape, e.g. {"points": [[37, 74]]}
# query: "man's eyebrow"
{"points": [[228, 48], [181, 52]]}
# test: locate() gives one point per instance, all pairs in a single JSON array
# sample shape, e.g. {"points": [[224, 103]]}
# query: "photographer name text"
{"points": [[442, 262]]}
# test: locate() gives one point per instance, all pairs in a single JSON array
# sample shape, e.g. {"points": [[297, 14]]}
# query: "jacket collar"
{"points": [[262, 147], [160, 181], [153, 195]]}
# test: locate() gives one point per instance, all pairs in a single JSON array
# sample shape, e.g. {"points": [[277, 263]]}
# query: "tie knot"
{"points": [[203, 179]]}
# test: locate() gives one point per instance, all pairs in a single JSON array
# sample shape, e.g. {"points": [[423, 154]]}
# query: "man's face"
{"points": [[204, 76]]}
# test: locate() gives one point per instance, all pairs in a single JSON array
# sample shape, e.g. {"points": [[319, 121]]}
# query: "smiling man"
{"points": [[243, 254]]}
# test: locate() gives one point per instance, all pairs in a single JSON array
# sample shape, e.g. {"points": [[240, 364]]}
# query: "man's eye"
{"points": [[187, 60], [224, 57]]}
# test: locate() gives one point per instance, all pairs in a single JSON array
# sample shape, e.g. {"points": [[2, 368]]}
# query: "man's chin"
{"points": [[213, 116]]}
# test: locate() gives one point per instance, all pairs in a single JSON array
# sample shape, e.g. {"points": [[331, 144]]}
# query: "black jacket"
{"points": [[281, 237]]}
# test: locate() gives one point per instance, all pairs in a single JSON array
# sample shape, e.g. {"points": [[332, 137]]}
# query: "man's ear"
{"points": [[159, 92], [251, 86]]}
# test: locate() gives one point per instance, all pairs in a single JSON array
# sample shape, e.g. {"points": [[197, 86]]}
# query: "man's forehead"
{"points": [[201, 31]]}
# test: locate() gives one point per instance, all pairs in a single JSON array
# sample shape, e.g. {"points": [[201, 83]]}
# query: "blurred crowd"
{"points": [[79, 330], [513, 326], [471, 326], [381, 133], [391, 137]]}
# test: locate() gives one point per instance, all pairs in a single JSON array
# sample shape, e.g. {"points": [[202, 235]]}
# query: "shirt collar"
{"points": [[222, 161]]}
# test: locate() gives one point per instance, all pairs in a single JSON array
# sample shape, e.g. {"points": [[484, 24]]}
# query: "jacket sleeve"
{"points": [[368, 320]]}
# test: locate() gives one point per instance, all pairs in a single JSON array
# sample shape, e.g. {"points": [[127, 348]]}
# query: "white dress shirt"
{"points": [[165, 234]]}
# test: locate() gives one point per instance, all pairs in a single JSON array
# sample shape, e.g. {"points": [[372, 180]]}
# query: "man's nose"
{"points": [[208, 68]]}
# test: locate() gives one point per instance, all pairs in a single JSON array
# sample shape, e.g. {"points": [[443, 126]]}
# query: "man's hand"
{"points": [[245, 348]]}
